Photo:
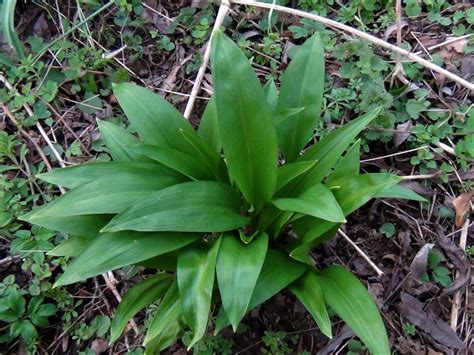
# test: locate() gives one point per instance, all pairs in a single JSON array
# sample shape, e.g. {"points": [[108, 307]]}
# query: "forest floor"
{"points": [[426, 128]]}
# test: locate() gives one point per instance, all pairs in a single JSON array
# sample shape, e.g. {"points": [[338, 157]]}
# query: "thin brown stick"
{"points": [[361, 253], [27, 135], [398, 71], [457, 296], [363, 35], [223, 10]]}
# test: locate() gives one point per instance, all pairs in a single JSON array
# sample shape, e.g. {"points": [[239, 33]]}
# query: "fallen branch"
{"points": [[361, 34], [223, 10], [457, 296], [361, 253]]}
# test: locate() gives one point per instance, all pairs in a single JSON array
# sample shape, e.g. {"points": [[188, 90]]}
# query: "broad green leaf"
{"points": [[271, 93], [308, 290], [349, 298], [199, 206], [289, 172], [354, 191], [238, 268], [195, 274], [351, 193], [110, 251], [302, 85], [278, 271], [330, 148], [247, 131], [137, 298], [400, 192], [73, 246], [118, 142], [105, 195], [86, 225], [209, 126], [4, 60], [208, 157], [156, 120], [167, 322], [184, 163], [80, 174], [349, 164], [318, 201]]}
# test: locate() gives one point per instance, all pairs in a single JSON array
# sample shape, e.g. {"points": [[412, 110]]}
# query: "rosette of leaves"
{"points": [[223, 222]]}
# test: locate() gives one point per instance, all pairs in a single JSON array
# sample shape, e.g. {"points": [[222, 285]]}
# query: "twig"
{"points": [[27, 135], [457, 296], [394, 154], [223, 10], [446, 148], [38, 125], [398, 71], [363, 35], [420, 177], [111, 287], [442, 44], [9, 259], [361, 252]]}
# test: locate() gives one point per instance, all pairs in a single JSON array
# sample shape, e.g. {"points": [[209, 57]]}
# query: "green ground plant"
{"points": [[170, 201]]}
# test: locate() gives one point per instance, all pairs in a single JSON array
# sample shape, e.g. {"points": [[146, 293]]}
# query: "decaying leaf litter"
{"points": [[397, 289]]}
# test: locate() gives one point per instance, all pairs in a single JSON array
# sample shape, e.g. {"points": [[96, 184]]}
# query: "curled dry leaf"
{"points": [[462, 205], [402, 133], [420, 261]]}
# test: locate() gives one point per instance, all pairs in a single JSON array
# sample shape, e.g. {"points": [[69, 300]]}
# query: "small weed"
{"points": [[436, 272]]}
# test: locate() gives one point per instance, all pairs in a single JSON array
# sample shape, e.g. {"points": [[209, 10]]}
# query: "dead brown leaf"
{"points": [[420, 261], [462, 205], [429, 323]]}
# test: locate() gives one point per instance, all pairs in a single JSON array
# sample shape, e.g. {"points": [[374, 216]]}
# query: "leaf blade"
{"points": [[247, 131], [195, 274], [345, 294], [198, 206], [302, 86], [238, 267], [137, 298]]}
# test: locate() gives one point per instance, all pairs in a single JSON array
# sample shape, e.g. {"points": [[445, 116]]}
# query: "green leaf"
{"points": [[349, 164], [354, 191], [348, 297], [199, 206], [318, 201], [209, 126], [195, 274], [167, 322], [85, 225], [308, 290], [7, 15], [329, 149], [80, 174], [302, 85], [184, 163], [401, 192], [110, 251], [156, 120], [351, 193], [118, 141], [278, 271], [105, 195], [289, 172], [246, 127], [271, 93], [137, 298], [238, 267], [73, 246], [208, 157]]}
